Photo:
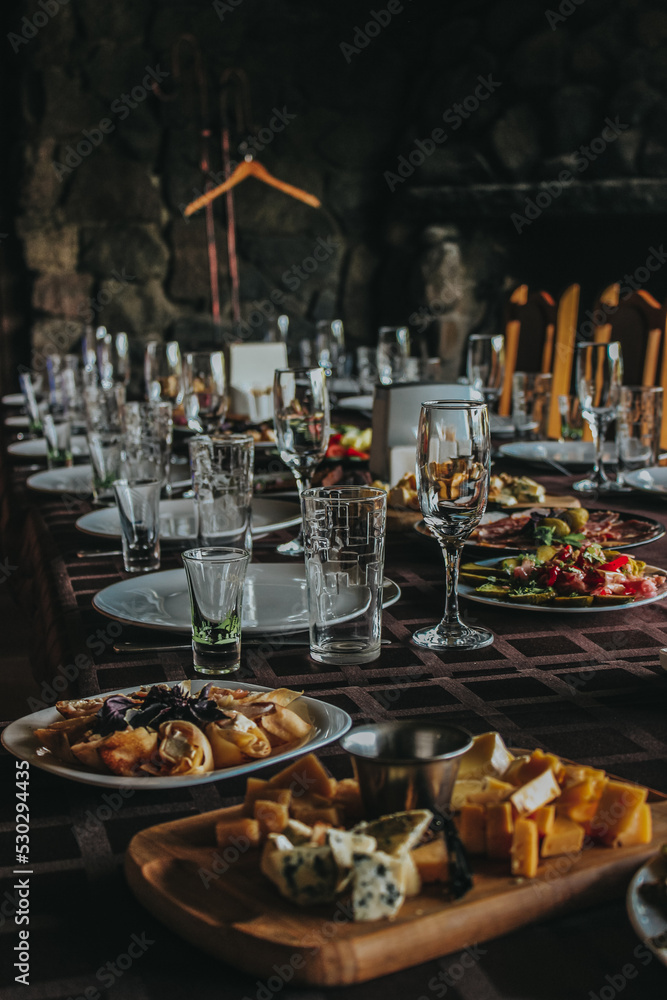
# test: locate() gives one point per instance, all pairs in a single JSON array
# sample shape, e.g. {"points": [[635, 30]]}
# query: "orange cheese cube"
{"points": [[259, 789], [307, 812], [640, 830], [238, 833], [580, 801], [431, 861], [348, 798], [472, 828], [616, 810], [565, 837], [544, 817], [537, 792], [272, 816], [499, 830], [304, 776], [524, 851], [537, 763]]}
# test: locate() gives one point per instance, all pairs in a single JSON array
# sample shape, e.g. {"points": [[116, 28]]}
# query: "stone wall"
{"points": [[360, 106]]}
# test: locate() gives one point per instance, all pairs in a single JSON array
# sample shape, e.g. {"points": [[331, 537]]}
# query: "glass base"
{"points": [[453, 637], [608, 486], [292, 548], [212, 671], [345, 651]]}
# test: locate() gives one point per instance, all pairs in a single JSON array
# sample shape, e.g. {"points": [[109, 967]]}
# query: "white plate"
{"points": [[648, 918], [564, 452], [77, 479], [36, 447], [13, 399], [468, 590], [362, 403], [17, 421], [274, 600], [330, 723], [651, 480], [177, 519]]}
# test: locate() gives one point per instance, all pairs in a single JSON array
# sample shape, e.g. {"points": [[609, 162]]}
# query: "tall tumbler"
{"points": [[344, 540], [150, 424], [222, 479]]}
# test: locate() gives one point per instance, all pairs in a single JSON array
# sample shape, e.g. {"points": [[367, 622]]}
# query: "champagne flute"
{"points": [[485, 366], [453, 465], [205, 390], [301, 417], [163, 372], [599, 379]]}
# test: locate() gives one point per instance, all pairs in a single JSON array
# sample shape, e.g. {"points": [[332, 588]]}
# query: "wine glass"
{"points": [[453, 465], [393, 350], [301, 417], [330, 346], [485, 365], [205, 390], [599, 378], [113, 357], [163, 371]]}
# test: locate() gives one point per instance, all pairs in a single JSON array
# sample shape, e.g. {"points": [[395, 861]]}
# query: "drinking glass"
{"points": [[531, 397], [31, 405], [105, 449], [571, 418], [485, 364], [222, 479], [453, 464], [599, 377], [205, 390], [366, 369], [58, 436], [163, 372], [138, 502], [215, 581], [113, 357], [301, 418], [103, 408], [144, 423], [330, 346], [392, 352], [141, 459], [344, 537], [638, 428]]}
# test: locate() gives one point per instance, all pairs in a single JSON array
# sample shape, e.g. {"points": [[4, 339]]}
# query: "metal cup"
{"points": [[406, 764]]}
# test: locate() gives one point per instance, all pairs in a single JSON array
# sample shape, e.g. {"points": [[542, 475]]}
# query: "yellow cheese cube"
{"points": [[491, 790], [544, 817], [499, 830], [524, 851], [580, 801], [488, 755], [616, 810], [535, 793], [472, 829], [640, 830], [565, 837], [431, 860]]}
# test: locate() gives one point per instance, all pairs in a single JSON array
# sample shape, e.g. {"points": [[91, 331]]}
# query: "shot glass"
{"points": [[215, 578], [531, 397], [58, 437], [222, 478], [105, 449], [571, 418], [638, 427], [144, 423], [138, 502], [344, 540]]}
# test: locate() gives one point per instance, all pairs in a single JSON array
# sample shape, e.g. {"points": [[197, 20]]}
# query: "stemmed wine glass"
{"points": [[599, 379], [205, 390], [163, 371], [453, 465], [301, 417], [485, 365]]}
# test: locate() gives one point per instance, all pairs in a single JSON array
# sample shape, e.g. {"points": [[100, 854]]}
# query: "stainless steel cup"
{"points": [[406, 764]]}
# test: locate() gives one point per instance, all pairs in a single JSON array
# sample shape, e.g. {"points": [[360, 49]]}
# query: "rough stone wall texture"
{"points": [[345, 103]]}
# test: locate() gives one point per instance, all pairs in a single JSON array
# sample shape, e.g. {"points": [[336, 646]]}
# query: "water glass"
{"points": [[222, 480], [215, 581], [571, 418], [138, 502], [58, 436], [344, 540], [163, 372], [113, 357], [105, 449], [485, 364], [330, 346], [366, 369], [531, 398], [638, 428], [142, 459], [393, 350], [149, 424], [205, 390], [103, 408], [599, 378]]}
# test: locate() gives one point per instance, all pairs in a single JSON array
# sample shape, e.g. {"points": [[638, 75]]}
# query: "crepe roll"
{"points": [[125, 752], [285, 725], [60, 736], [242, 733], [183, 749]]}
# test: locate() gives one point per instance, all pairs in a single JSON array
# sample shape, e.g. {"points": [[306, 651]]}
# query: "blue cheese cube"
{"points": [[305, 875], [398, 832], [377, 885]]}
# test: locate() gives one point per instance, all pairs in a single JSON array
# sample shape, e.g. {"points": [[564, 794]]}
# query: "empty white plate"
{"points": [[177, 519], [76, 479], [13, 399], [563, 452], [651, 480], [36, 447], [274, 600]]}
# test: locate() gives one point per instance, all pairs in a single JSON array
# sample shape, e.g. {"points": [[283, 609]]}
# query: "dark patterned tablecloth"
{"points": [[588, 687]]}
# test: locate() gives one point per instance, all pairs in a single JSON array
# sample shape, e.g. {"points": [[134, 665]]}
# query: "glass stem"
{"points": [[303, 480], [452, 553], [598, 428]]}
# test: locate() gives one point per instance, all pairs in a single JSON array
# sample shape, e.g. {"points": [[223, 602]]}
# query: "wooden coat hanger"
{"points": [[250, 168]]}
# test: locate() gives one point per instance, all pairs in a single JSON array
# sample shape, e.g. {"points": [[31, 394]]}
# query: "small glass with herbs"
{"points": [[215, 581]]}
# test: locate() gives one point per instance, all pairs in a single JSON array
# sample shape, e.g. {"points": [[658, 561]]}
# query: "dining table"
{"points": [[589, 688]]}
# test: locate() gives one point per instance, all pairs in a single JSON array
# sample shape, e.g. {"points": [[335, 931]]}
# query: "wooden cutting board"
{"points": [[235, 914]]}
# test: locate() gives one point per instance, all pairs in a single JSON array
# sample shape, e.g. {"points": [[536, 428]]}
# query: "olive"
{"points": [[576, 517], [561, 528]]}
